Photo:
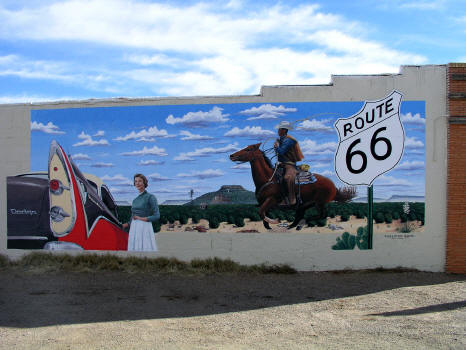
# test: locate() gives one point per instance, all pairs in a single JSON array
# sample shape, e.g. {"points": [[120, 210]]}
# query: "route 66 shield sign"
{"points": [[371, 142]]}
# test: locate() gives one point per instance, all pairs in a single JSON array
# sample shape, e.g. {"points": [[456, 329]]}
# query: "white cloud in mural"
{"points": [[412, 142], [411, 165], [385, 180], [150, 162], [188, 136], [117, 180], [157, 177], [183, 158], [242, 166], [267, 111], [48, 128], [89, 141], [207, 151], [327, 173], [102, 165], [310, 147], [147, 135], [409, 118], [200, 118], [80, 156], [315, 125], [250, 132], [154, 151], [206, 174], [99, 133]]}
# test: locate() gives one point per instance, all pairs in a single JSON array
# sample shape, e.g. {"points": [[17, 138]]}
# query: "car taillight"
{"points": [[56, 187]]}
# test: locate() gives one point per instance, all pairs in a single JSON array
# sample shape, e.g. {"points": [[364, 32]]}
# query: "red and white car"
{"points": [[62, 209]]}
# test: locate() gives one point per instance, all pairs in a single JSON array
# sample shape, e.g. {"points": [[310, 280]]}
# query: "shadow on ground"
{"points": [[60, 298]]}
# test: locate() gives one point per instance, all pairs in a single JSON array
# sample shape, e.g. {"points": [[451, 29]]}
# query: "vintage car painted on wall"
{"points": [[62, 209]]}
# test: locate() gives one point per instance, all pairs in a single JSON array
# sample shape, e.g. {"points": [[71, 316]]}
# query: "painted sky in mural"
{"points": [[184, 147]]}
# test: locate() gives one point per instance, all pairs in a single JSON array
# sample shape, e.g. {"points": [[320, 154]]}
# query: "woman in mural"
{"points": [[144, 211]]}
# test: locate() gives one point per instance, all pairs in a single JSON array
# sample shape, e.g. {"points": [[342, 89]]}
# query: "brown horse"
{"points": [[269, 194]]}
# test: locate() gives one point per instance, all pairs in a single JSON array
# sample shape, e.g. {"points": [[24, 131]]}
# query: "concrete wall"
{"points": [[424, 251]]}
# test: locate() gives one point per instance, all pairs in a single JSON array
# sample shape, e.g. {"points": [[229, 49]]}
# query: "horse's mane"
{"points": [[267, 160]]}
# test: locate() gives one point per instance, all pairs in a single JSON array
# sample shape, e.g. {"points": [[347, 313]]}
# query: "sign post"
{"points": [[371, 142], [370, 220]]}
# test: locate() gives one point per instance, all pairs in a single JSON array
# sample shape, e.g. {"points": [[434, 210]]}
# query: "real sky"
{"points": [[74, 49]]}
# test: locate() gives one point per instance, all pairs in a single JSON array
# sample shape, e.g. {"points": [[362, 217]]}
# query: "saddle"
{"points": [[303, 177]]}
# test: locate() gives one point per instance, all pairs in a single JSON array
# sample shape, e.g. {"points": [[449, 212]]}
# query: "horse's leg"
{"points": [[298, 216], [268, 203], [266, 225]]}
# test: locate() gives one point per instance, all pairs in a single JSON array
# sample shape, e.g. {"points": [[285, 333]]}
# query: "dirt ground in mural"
{"points": [[325, 310], [334, 225]]}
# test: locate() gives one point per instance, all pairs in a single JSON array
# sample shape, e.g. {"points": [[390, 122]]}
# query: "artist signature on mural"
{"points": [[399, 236]]}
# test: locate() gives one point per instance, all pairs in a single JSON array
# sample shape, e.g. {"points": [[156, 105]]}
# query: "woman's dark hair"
{"points": [[144, 179]]}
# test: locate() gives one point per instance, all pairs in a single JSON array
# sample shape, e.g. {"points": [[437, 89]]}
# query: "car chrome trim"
{"points": [[97, 219], [60, 245], [32, 238]]}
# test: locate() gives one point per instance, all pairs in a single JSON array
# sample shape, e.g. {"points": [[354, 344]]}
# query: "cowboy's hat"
{"points": [[284, 125]]}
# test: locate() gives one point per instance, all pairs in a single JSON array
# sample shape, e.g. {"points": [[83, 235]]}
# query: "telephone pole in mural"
{"points": [[371, 142], [191, 194]]}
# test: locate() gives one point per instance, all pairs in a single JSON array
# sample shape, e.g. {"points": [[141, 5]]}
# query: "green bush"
{"points": [[239, 221], [362, 239], [379, 217], [183, 219], [346, 242], [388, 218], [344, 217], [214, 223]]}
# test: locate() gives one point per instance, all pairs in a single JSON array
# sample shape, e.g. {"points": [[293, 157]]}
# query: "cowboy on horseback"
{"points": [[288, 152]]}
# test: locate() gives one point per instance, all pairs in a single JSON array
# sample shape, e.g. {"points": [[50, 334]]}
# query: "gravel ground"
{"points": [[110, 310]]}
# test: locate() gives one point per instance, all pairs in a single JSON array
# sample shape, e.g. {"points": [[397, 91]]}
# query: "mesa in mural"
{"points": [[202, 164]]}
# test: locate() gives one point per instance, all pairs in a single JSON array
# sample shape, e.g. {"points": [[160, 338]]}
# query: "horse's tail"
{"points": [[345, 194]]}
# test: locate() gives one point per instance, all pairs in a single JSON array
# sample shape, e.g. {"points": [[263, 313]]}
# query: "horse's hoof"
{"points": [[271, 221]]}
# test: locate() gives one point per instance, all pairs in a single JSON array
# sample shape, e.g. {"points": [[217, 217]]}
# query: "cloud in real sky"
{"points": [[199, 118], [255, 132], [48, 128], [205, 174], [267, 111], [153, 151], [87, 140], [228, 49], [148, 135]]}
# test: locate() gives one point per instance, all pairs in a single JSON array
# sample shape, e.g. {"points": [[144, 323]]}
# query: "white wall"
{"points": [[424, 251]]}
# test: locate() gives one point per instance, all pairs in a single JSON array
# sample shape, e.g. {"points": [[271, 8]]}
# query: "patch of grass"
{"points": [[4, 261], [94, 262]]}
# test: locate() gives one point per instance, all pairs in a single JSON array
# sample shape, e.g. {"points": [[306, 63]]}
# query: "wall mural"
{"points": [[210, 168]]}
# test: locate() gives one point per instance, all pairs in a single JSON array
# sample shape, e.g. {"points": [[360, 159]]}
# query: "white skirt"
{"points": [[141, 237]]}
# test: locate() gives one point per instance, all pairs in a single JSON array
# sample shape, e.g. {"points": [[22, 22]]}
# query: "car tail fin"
{"points": [[62, 201]]}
